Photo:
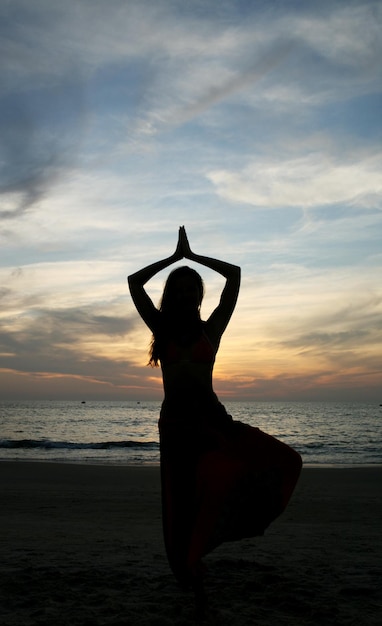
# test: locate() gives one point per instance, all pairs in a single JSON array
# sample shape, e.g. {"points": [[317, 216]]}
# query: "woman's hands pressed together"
{"points": [[183, 250]]}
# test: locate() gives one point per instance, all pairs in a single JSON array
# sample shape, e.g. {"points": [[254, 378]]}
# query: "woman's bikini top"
{"points": [[201, 351]]}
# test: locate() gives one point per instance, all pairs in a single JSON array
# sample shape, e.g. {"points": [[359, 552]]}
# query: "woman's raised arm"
{"points": [[145, 307], [220, 317]]}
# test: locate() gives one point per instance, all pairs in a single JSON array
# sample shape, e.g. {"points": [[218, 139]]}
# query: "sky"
{"points": [[257, 125]]}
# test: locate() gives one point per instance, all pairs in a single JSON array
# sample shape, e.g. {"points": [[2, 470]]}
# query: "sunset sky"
{"points": [[256, 124]]}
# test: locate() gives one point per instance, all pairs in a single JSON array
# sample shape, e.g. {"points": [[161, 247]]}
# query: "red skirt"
{"points": [[222, 480]]}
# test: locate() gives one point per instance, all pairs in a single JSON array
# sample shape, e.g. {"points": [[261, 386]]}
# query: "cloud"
{"points": [[346, 35], [77, 341], [41, 131], [303, 60], [315, 179], [352, 323], [307, 320], [242, 78], [53, 77], [325, 386], [94, 350], [24, 170]]}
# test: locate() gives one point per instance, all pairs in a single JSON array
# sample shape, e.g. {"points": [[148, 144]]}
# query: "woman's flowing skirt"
{"points": [[222, 480]]}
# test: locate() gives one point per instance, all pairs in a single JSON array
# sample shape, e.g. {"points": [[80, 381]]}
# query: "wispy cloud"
{"points": [[316, 179]]}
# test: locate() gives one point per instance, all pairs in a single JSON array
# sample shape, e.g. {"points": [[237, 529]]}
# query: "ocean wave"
{"points": [[44, 444]]}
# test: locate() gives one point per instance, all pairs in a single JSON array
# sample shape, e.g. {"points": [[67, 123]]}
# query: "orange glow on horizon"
{"points": [[341, 386]]}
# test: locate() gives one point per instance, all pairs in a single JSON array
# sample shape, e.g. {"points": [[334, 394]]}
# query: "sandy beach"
{"points": [[82, 545]]}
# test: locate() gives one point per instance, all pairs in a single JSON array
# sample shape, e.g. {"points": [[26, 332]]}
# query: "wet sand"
{"points": [[82, 545]]}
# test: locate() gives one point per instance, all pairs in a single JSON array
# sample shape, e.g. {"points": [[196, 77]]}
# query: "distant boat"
{"points": [[83, 402]]}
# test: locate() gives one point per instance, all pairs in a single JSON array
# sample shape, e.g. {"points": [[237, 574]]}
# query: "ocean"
{"points": [[126, 432]]}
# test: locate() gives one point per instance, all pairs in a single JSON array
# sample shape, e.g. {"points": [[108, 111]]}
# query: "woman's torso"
{"points": [[187, 367]]}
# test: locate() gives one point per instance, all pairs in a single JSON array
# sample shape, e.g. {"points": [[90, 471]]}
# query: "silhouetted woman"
{"points": [[222, 480]]}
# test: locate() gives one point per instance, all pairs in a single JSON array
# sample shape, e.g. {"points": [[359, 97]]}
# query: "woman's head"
{"points": [[183, 291], [182, 296]]}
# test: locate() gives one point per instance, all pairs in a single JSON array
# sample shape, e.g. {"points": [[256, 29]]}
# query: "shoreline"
{"points": [[82, 544], [93, 463]]}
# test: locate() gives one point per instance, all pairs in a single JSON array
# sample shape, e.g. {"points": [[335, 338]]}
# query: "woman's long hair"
{"points": [[167, 307]]}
